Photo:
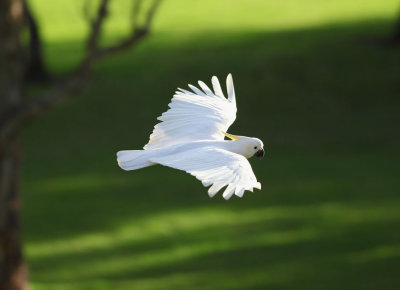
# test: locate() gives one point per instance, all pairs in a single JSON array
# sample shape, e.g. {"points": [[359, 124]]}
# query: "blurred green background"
{"points": [[312, 81]]}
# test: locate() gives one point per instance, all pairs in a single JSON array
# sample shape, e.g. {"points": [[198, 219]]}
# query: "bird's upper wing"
{"points": [[216, 167], [198, 115]]}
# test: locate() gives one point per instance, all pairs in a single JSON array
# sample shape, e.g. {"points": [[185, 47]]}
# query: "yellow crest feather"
{"points": [[233, 137]]}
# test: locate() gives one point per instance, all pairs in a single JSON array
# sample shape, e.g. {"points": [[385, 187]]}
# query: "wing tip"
{"points": [[211, 194], [230, 88]]}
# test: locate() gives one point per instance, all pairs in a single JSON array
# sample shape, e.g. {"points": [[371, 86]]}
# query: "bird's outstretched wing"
{"points": [[216, 167], [198, 115]]}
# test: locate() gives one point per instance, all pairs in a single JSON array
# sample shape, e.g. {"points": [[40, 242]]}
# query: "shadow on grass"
{"points": [[323, 99]]}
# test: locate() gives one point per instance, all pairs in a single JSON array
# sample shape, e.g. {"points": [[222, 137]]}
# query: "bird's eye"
{"points": [[255, 147]]}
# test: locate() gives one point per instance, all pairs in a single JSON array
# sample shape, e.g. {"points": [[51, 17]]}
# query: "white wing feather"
{"points": [[201, 115], [216, 167]]}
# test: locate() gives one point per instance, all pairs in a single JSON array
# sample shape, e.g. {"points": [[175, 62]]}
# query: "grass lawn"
{"points": [[311, 81]]}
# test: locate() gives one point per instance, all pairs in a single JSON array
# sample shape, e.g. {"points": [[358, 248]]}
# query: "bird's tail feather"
{"points": [[133, 159]]}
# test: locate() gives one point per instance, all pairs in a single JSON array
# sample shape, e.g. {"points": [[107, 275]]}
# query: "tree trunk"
{"points": [[14, 111], [13, 270]]}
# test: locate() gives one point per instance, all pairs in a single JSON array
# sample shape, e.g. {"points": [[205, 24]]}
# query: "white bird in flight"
{"points": [[190, 137]]}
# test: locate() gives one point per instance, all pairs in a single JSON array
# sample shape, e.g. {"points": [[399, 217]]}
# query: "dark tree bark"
{"points": [[13, 270], [15, 111]]}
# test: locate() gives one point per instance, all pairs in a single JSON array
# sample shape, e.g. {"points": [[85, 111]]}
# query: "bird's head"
{"points": [[249, 146], [255, 147]]}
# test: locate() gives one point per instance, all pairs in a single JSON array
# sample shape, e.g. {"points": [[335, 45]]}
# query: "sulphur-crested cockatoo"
{"points": [[190, 137]]}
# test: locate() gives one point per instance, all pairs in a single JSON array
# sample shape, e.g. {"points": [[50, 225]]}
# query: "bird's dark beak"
{"points": [[260, 153]]}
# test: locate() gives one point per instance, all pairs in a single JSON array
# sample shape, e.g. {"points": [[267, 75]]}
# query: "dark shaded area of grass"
{"points": [[323, 100]]}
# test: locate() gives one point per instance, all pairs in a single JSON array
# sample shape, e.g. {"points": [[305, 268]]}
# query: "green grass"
{"points": [[311, 81]]}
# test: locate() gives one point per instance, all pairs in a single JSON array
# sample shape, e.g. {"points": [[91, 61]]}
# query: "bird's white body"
{"points": [[191, 138], [129, 159]]}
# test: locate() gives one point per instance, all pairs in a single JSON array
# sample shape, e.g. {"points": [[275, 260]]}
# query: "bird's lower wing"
{"points": [[216, 167]]}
